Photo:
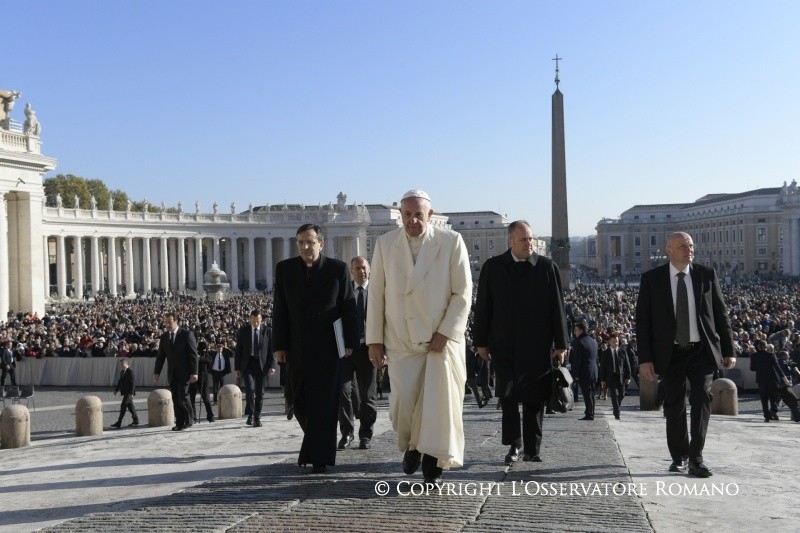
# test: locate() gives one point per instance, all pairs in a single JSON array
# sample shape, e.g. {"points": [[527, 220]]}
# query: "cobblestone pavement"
{"points": [[583, 484]]}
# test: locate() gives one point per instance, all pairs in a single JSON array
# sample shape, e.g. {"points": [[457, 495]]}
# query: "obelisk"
{"points": [[559, 243]]}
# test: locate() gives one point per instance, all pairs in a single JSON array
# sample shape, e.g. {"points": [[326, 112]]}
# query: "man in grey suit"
{"points": [[684, 332], [178, 347], [254, 362]]}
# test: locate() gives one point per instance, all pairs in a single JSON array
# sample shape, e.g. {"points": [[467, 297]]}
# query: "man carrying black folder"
{"points": [[311, 293]]}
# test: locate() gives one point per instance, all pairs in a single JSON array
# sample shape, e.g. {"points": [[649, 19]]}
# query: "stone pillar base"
{"points": [[88, 416], [15, 430], [159, 408], [724, 398], [229, 399]]}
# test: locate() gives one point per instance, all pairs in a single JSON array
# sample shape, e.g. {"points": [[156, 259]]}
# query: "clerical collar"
{"points": [[311, 265], [532, 259]]}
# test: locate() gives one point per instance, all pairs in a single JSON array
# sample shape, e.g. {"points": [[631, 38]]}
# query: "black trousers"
{"points": [[532, 419], [9, 372], [696, 365], [617, 392], [217, 378], [127, 405], [587, 390], [180, 404], [769, 393], [364, 404], [200, 387], [253, 377]]}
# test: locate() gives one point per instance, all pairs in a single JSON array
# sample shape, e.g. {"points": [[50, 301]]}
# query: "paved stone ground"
{"points": [[485, 495]]}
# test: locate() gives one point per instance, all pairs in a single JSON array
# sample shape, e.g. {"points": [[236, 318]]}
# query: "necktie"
{"points": [[172, 337], [682, 312], [360, 302], [255, 342], [614, 359]]}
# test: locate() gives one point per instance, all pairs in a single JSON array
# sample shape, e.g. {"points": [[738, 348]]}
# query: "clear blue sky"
{"points": [[296, 100]]}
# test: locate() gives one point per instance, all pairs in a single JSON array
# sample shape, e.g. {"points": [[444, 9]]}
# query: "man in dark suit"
{"points": [[254, 362], [8, 363], [312, 293], [520, 325], [683, 332], [615, 372], [127, 387], [771, 382], [584, 366], [220, 367], [178, 347], [365, 407]]}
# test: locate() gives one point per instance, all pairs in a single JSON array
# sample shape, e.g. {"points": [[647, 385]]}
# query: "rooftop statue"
{"points": [[7, 99], [31, 126]]}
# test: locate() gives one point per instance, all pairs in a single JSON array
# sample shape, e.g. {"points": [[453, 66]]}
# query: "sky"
{"points": [[294, 101]]}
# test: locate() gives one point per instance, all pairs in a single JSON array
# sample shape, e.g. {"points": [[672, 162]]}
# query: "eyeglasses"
{"points": [[306, 243]]}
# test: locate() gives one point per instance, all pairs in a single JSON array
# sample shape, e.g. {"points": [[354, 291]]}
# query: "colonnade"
{"points": [[123, 265]]}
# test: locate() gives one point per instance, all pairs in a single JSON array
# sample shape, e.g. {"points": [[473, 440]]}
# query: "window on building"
{"points": [[761, 234], [476, 245], [637, 241], [761, 252], [741, 234], [761, 220], [653, 240], [652, 217], [637, 254], [491, 245], [635, 217]]}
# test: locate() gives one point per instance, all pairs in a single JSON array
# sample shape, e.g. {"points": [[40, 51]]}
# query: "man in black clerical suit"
{"points": [[126, 385], [772, 382], [178, 347], [683, 332], [615, 372], [365, 407], [254, 362], [312, 292], [520, 325], [584, 366]]}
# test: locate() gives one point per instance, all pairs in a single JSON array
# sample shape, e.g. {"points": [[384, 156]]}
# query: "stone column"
{"points": [[96, 278], [181, 264], [129, 265], [77, 246], [112, 266], [154, 271], [5, 301], [251, 263], [788, 246], [147, 280], [198, 262], [795, 248], [164, 264], [268, 262], [287, 247], [215, 242], [61, 265], [233, 274], [46, 271], [357, 240]]}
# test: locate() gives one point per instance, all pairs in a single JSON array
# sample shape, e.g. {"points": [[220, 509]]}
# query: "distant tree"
{"points": [[68, 186], [120, 200]]}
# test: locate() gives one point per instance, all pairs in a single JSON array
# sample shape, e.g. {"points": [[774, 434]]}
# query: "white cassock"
{"points": [[407, 304]]}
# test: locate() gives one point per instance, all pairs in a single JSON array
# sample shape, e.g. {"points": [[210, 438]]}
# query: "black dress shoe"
{"points": [[256, 423], [249, 421], [616, 416], [411, 461], [178, 428], [699, 470], [531, 458], [678, 465], [116, 425], [433, 480], [210, 418], [774, 416], [513, 454], [364, 444], [587, 417], [134, 423], [768, 420], [345, 442]]}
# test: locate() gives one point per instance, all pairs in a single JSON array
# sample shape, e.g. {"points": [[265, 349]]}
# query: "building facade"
{"points": [[741, 235]]}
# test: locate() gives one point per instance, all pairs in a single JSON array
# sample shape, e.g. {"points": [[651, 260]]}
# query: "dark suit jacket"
{"points": [[655, 316], [614, 374], [181, 356], [520, 319], [244, 344], [127, 383], [584, 358], [226, 357], [766, 367]]}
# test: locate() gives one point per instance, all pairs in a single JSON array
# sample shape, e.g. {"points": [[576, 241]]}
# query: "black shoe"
{"points": [[699, 469], [345, 442], [513, 454], [678, 465], [319, 469], [210, 418], [364, 444], [587, 417], [531, 458], [249, 421], [411, 461], [774, 416], [134, 423], [256, 423], [433, 480], [616, 416], [549, 411], [116, 425], [178, 428], [768, 420], [289, 410]]}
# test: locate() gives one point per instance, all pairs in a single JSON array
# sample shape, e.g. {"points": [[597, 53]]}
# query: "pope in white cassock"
{"points": [[419, 301]]}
